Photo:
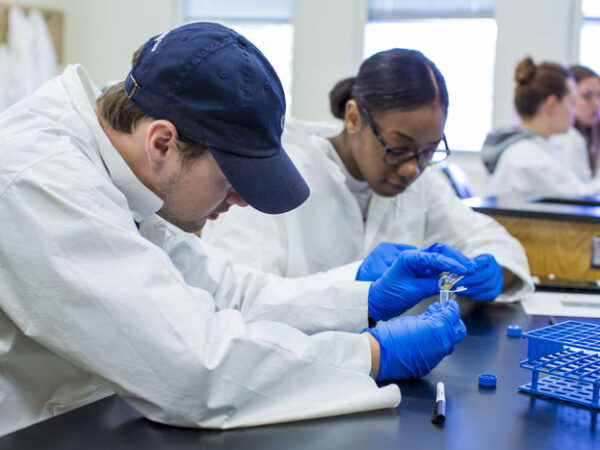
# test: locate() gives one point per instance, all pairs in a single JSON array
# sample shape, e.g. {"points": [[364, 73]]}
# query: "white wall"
{"points": [[328, 46], [103, 34], [545, 30], [52, 4]]}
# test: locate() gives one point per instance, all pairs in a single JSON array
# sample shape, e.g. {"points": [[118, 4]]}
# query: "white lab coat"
{"points": [[43, 48], [533, 167], [5, 77], [570, 151], [87, 299], [21, 39], [328, 230]]}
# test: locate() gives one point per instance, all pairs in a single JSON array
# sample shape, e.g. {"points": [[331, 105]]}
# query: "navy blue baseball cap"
{"points": [[218, 89]]}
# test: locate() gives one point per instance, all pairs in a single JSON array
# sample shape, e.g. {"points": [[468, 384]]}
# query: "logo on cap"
{"points": [[157, 41]]}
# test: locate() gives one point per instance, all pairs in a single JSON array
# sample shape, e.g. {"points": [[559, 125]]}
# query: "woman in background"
{"points": [[521, 160], [580, 146], [370, 186]]}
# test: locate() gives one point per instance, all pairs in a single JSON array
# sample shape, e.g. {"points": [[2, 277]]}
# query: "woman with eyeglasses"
{"points": [[370, 189], [581, 144], [529, 160], [587, 108]]}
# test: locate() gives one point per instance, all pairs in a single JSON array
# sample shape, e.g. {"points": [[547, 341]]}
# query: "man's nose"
{"points": [[233, 198]]}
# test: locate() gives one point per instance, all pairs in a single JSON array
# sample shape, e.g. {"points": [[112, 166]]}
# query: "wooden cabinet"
{"points": [[557, 236]]}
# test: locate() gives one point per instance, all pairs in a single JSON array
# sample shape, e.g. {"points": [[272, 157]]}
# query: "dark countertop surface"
{"points": [[477, 418]]}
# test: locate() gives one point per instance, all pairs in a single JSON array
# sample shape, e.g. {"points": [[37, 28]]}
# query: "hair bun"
{"points": [[525, 71], [339, 96]]}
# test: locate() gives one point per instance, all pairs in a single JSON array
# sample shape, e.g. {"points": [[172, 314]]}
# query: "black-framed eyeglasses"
{"points": [[396, 156]]}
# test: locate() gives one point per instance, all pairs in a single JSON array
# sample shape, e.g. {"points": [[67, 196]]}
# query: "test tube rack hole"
{"points": [[565, 363]]}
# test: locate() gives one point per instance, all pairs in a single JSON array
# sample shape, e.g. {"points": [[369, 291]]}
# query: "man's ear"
{"points": [[161, 143], [352, 117]]}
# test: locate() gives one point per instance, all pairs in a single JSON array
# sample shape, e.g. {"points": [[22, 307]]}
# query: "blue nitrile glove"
{"points": [[379, 260], [413, 277], [451, 252], [412, 346], [485, 283]]}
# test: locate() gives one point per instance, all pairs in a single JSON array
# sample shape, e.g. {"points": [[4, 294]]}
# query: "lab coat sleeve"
{"points": [[311, 303], [449, 220], [80, 280]]}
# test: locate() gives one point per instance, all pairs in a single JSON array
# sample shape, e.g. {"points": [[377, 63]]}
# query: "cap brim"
{"points": [[271, 184]]}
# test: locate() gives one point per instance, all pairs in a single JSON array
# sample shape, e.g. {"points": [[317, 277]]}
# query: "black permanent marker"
{"points": [[439, 410]]}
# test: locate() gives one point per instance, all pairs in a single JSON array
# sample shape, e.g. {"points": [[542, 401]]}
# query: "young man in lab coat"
{"points": [[102, 291]]}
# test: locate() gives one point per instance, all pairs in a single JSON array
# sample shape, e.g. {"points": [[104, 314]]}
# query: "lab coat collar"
{"points": [[142, 201], [378, 206], [331, 159]]}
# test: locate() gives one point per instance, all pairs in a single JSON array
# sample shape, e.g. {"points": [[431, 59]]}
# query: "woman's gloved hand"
{"points": [[379, 260], [486, 282], [413, 277], [412, 346]]}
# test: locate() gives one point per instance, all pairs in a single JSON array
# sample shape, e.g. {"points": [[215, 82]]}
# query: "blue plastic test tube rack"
{"points": [[567, 353]]}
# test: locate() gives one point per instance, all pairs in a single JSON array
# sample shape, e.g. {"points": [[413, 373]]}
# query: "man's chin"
{"points": [[188, 227], [197, 228], [191, 227]]}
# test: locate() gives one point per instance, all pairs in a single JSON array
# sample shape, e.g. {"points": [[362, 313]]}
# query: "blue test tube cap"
{"points": [[487, 380], [514, 331]]}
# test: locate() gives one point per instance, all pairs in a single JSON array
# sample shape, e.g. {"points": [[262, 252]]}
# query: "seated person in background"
{"points": [[369, 186], [520, 160], [579, 148], [103, 290]]}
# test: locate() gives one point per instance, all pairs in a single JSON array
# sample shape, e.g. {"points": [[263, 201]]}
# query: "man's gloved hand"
{"points": [[412, 346], [413, 277], [486, 282], [379, 260]]}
